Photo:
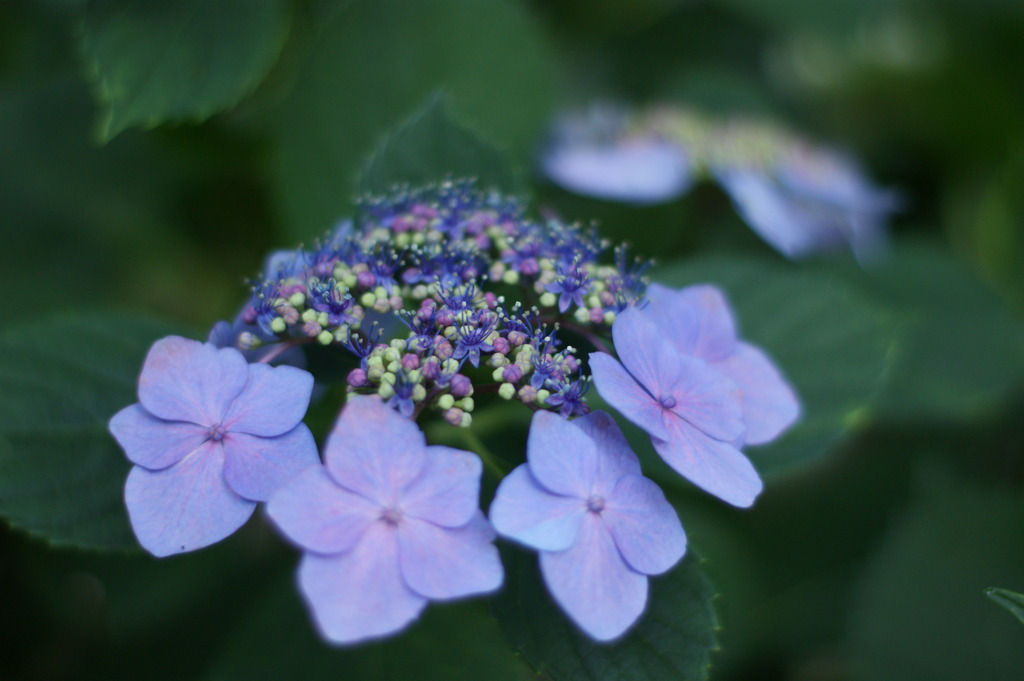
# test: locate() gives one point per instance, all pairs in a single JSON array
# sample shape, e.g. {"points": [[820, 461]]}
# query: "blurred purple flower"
{"points": [[810, 200], [698, 322], [386, 524], [798, 197], [210, 436], [692, 412], [591, 154], [599, 525]]}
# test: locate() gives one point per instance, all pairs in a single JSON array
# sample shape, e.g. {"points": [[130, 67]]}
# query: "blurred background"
{"points": [[886, 515]]}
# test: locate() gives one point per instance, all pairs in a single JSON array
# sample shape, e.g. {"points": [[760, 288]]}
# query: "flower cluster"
{"points": [[434, 295], [799, 197], [442, 262]]}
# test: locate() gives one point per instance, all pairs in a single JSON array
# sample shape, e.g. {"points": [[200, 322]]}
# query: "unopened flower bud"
{"points": [[512, 374], [461, 385]]}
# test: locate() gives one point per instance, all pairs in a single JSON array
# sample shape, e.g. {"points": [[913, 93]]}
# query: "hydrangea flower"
{"points": [[799, 197], [599, 525], [698, 322], [593, 153], [210, 436], [387, 523], [692, 411], [809, 200]]}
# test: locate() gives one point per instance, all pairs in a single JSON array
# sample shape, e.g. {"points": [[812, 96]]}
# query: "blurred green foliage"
{"points": [[890, 509]]}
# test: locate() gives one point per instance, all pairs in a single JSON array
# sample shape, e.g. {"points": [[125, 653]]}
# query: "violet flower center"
{"points": [[391, 515], [595, 504], [667, 401], [216, 432]]}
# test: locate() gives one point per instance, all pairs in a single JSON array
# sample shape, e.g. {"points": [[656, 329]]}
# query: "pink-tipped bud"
{"points": [[527, 394], [357, 378], [501, 345], [442, 348], [461, 385], [410, 361], [453, 416], [512, 374], [431, 369], [366, 280]]}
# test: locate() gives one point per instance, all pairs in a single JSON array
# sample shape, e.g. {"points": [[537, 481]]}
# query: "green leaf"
{"points": [[61, 379], [962, 352], [178, 60], [917, 612], [831, 344], [673, 639], [450, 642], [1011, 600], [430, 146], [375, 62]]}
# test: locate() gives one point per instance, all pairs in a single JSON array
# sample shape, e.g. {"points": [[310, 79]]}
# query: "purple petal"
{"points": [[561, 457], [152, 442], [374, 451], [697, 320], [273, 401], [592, 583], [637, 171], [712, 465], [184, 507], [616, 457], [644, 525], [528, 513], [790, 230], [707, 399], [447, 491], [769, 403], [185, 380], [318, 515], [359, 594], [622, 392], [256, 467], [647, 355], [442, 563]]}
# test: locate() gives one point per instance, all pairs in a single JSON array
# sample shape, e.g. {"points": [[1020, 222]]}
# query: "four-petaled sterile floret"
{"points": [[386, 524], [210, 436], [601, 527]]}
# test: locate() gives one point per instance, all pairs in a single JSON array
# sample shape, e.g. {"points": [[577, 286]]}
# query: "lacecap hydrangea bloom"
{"points": [[440, 300], [800, 197]]}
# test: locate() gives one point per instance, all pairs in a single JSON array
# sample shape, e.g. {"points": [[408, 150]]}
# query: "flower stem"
{"points": [[477, 445]]}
